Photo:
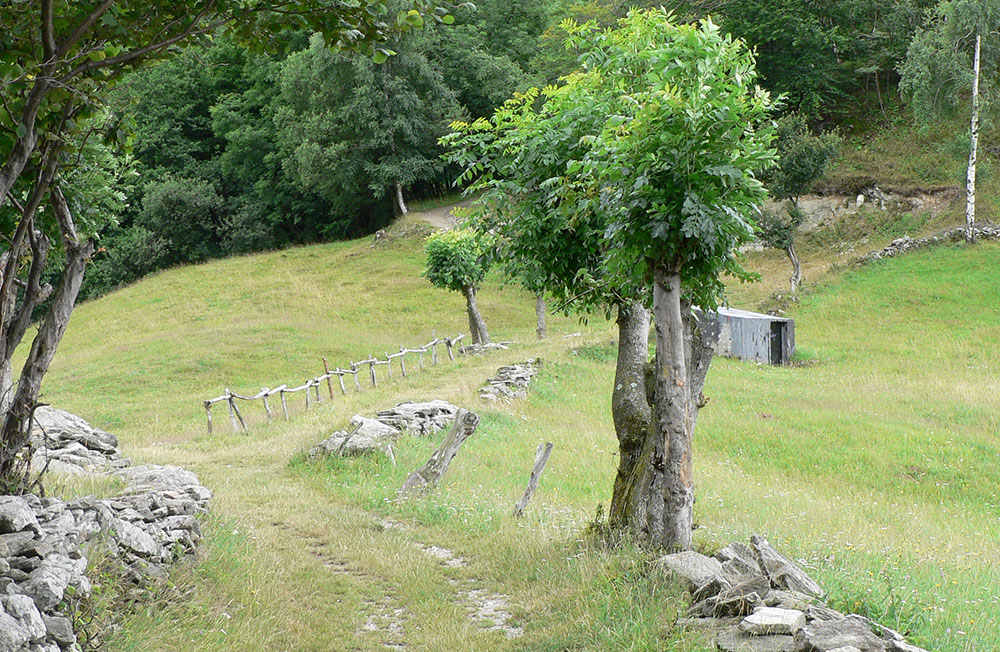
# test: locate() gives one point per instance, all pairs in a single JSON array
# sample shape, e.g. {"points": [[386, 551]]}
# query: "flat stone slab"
{"points": [[734, 640], [692, 568], [831, 635], [771, 620]]}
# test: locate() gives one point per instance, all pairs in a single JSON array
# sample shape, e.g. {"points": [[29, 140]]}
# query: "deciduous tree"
{"points": [[458, 260]]}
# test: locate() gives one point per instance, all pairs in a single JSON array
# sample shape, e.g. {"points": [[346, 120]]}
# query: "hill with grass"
{"points": [[871, 460]]}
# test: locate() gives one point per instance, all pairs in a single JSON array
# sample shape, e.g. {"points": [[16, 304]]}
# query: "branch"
{"points": [[84, 27], [34, 292], [129, 57], [48, 33]]}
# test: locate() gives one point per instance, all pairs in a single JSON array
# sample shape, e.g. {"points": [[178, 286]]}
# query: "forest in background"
{"points": [[232, 150]]}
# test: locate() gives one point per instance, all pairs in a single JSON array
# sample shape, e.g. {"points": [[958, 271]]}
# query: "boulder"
{"points": [[770, 620], [59, 629], [691, 568], [364, 436], [52, 427], [16, 515], [135, 539], [47, 583], [13, 633], [783, 573]]}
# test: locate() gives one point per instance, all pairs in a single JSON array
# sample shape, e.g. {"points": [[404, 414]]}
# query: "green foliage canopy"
{"points": [[457, 259]]}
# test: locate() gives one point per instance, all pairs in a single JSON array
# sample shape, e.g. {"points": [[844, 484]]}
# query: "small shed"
{"points": [[753, 336]]}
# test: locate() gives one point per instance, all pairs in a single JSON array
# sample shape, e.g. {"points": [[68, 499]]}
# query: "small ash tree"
{"points": [[803, 158], [458, 260]]}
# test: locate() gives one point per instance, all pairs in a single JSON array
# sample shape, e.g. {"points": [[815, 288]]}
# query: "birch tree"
{"points": [[945, 67]]}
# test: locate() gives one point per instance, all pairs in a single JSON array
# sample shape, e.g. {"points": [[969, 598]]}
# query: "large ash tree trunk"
{"points": [[477, 325], [629, 407], [654, 491]]}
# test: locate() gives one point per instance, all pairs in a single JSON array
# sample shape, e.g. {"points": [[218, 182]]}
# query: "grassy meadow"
{"points": [[873, 460]]}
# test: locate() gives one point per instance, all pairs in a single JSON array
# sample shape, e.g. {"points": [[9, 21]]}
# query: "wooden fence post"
{"points": [[541, 458], [267, 408], [371, 369], [447, 342], [232, 412], [389, 360], [284, 404], [402, 358], [354, 370], [208, 411], [329, 383]]}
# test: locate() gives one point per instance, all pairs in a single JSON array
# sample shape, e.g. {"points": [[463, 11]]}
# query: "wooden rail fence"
{"points": [[312, 386]]}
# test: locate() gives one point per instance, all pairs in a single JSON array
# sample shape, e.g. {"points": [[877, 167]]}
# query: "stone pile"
{"points": [[477, 349], [905, 244], [510, 382], [45, 543], [419, 418], [365, 435], [753, 599]]}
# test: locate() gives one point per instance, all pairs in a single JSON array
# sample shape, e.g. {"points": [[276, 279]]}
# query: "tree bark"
{"points": [[476, 324], [540, 314], [629, 408], [970, 179], [399, 199], [16, 427], [796, 277], [654, 498]]}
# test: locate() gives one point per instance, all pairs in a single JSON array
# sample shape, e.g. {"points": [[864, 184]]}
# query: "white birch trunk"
{"points": [[970, 183]]}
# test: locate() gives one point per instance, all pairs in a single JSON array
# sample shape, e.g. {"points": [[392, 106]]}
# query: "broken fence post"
{"points": [[427, 477], [208, 411], [447, 342], [541, 458], [267, 408]]}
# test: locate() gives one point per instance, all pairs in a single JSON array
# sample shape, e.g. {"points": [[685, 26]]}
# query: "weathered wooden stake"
{"points": [[238, 415], [284, 405], [451, 354], [329, 383], [308, 397], [402, 363], [267, 408], [434, 352], [319, 399], [427, 477], [371, 369], [208, 411], [232, 413], [389, 360], [340, 379], [354, 370], [421, 358], [541, 458]]}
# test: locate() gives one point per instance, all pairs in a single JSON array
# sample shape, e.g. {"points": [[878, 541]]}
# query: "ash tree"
{"points": [[58, 64], [458, 260], [803, 158], [548, 228], [644, 167]]}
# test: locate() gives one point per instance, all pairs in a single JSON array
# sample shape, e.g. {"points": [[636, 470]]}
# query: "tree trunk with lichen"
{"points": [[477, 325], [654, 490]]}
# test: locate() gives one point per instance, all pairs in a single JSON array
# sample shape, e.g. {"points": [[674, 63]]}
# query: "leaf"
{"points": [[22, 131], [447, 19]]}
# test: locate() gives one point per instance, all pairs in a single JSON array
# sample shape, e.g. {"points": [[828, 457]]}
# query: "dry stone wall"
{"points": [[751, 598], [46, 543]]}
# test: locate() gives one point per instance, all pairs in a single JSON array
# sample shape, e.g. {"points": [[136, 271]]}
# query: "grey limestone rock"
{"points": [[16, 515], [59, 629], [510, 382], [364, 436], [732, 639], [771, 620], [13, 634], [783, 573], [24, 610], [826, 636], [419, 418], [46, 585], [692, 568]]}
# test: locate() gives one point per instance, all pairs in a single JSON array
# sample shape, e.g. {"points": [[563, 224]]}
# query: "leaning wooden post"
{"points": [[340, 379], [232, 412], [402, 363], [267, 407], [329, 383], [237, 410], [308, 398], [371, 369], [434, 351], [284, 404], [354, 370], [447, 342], [420, 358], [541, 458], [389, 360], [319, 399], [208, 412], [427, 477]]}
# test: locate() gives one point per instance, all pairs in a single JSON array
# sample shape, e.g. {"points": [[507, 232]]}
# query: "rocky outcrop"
{"points": [[754, 599], [906, 244], [510, 382], [45, 543], [365, 435]]}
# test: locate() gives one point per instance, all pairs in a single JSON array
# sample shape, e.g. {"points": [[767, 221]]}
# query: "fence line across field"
{"points": [[313, 385]]}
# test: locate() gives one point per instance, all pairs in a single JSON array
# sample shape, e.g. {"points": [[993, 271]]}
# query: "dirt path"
{"points": [[442, 217]]}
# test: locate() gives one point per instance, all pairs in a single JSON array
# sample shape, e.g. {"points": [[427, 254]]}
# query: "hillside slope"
{"points": [[873, 463]]}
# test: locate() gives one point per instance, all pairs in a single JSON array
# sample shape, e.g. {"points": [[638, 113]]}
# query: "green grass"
{"points": [[874, 462]]}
